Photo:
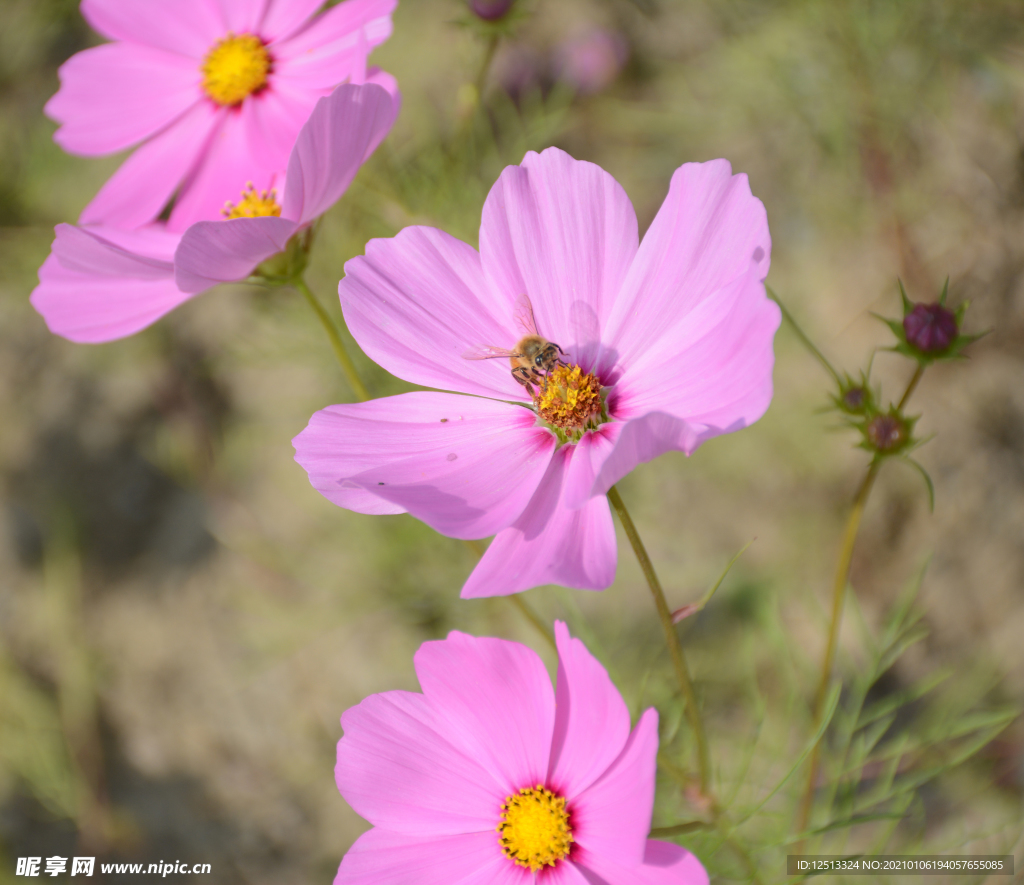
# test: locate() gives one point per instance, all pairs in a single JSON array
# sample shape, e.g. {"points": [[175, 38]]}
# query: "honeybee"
{"points": [[533, 357]]}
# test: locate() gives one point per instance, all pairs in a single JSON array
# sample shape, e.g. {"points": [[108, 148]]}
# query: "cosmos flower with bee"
{"points": [[572, 352]]}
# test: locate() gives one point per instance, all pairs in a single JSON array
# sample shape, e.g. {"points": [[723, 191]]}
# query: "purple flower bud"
{"points": [[855, 399], [490, 10], [930, 327], [886, 433]]}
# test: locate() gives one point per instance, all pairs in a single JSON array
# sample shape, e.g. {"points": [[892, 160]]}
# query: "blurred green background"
{"points": [[183, 619]]}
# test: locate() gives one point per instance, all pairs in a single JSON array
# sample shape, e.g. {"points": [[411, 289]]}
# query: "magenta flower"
{"points": [[101, 283], [213, 92], [667, 343], [491, 777]]}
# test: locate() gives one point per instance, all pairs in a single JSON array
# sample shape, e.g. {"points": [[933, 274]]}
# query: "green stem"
{"points": [[838, 601], [795, 326], [344, 360], [675, 650]]}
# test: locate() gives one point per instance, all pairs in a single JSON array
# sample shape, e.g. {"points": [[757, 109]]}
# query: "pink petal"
{"points": [[335, 45], [708, 232], [643, 439], [563, 232], [115, 95], [466, 466], [418, 301], [390, 85], [549, 544], [663, 864], [341, 133], [140, 190], [213, 252], [592, 451], [591, 719], [613, 817], [495, 700], [282, 17], [379, 856], [227, 165], [242, 16], [138, 255], [272, 121], [396, 769], [717, 381], [189, 27], [718, 371], [90, 308]]}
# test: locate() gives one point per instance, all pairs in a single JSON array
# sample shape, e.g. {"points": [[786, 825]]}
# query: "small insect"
{"points": [[534, 356]]}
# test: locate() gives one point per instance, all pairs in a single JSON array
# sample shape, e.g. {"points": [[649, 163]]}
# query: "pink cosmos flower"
{"points": [[213, 91], [489, 777], [667, 343], [101, 283]]}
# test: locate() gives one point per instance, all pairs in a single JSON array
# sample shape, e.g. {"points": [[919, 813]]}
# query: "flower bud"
{"points": [[491, 10], [855, 399], [886, 433], [930, 328]]}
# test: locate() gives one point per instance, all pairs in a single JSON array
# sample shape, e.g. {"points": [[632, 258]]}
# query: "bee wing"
{"points": [[523, 313], [486, 352]]}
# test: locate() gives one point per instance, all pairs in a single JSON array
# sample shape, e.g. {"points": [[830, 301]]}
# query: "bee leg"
{"points": [[562, 352], [522, 375]]}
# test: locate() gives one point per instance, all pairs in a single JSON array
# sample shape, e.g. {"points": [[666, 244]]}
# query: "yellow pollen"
{"points": [[534, 829], [235, 68], [569, 400], [253, 204]]}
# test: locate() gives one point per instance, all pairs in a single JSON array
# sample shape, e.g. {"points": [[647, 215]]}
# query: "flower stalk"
{"points": [[344, 360], [675, 650], [842, 576]]}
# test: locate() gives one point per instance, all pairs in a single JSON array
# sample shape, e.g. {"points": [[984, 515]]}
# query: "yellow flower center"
{"points": [[253, 204], [570, 401], [534, 828], [235, 68]]}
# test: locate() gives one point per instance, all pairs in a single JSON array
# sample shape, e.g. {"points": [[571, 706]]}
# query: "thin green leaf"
{"points": [[927, 481], [830, 709], [694, 607], [900, 698]]}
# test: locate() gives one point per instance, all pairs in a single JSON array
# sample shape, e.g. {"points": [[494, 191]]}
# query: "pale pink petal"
{"points": [[718, 381], [663, 864], [226, 167], [189, 27], [379, 856], [213, 252], [592, 451], [563, 232], [140, 255], [272, 121], [115, 95], [495, 699], [643, 439], [549, 544], [417, 302], [613, 817], [591, 720], [283, 17], [383, 79], [709, 231], [465, 466], [90, 308], [341, 133], [719, 367], [242, 16], [140, 190], [334, 46], [397, 770]]}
